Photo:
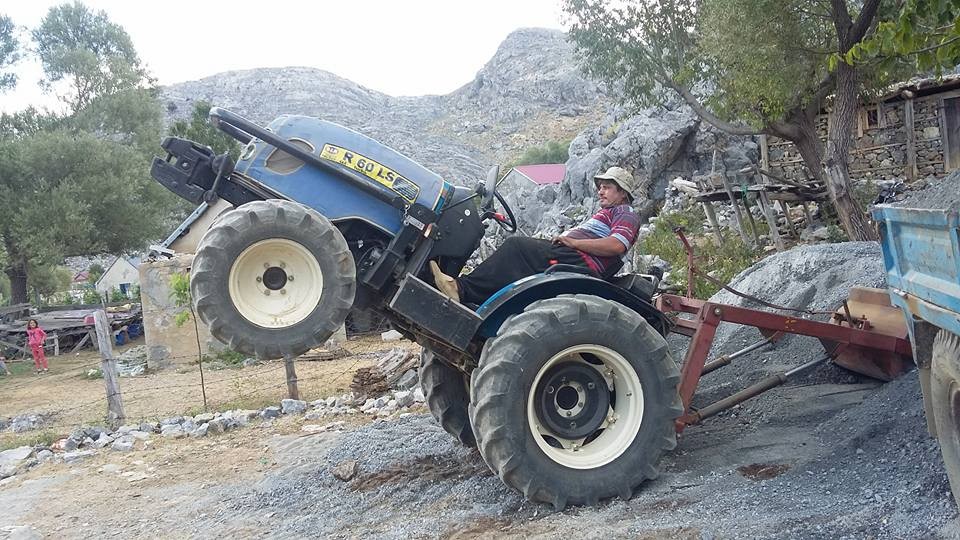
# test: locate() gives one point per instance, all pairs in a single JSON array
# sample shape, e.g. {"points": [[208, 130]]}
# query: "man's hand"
{"points": [[565, 241]]}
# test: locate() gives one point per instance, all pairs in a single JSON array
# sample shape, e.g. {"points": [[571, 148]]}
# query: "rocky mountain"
{"points": [[529, 93]]}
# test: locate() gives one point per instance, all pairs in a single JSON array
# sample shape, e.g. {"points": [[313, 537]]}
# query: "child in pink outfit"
{"points": [[35, 338]]}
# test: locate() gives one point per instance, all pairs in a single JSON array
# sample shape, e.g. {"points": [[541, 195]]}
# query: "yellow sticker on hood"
{"points": [[373, 170]]}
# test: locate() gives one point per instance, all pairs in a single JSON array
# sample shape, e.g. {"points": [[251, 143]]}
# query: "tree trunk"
{"points": [[830, 170], [836, 170], [16, 270]]}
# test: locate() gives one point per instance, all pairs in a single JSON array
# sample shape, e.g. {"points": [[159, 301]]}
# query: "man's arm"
{"points": [[601, 247]]}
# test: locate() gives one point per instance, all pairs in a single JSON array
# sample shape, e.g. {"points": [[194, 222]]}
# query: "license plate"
{"points": [[373, 170]]}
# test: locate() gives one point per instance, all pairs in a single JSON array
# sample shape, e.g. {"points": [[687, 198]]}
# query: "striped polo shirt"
{"points": [[620, 222]]}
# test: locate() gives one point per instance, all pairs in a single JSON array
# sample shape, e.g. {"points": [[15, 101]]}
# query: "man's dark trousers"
{"points": [[517, 258]]}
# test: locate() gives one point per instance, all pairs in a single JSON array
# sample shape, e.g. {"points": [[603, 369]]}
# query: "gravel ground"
{"points": [[830, 455]]}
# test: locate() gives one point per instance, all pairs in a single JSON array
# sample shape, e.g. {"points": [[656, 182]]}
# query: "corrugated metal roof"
{"points": [[548, 173]]}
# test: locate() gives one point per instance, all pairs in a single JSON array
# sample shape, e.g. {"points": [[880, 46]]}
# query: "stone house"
{"points": [[122, 274], [911, 131]]}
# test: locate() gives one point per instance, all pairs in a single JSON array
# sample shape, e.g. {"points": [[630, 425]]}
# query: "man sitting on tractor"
{"points": [[597, 244]]}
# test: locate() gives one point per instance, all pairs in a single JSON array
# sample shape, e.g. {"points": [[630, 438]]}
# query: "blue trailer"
{"points": [[921, 253]]}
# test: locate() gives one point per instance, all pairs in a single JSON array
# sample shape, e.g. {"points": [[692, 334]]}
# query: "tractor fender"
{"points": [[515, 297]]}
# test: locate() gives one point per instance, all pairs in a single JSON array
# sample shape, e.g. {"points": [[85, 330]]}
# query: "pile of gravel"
{"points": [[813, 277], [943, 194]]}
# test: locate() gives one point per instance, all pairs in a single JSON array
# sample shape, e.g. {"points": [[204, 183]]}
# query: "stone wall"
{"points": [[167, 343], [879, 152]]}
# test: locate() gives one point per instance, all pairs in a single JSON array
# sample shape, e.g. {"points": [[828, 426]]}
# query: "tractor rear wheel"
{"points": [[447, 391], [273, 278], [945, 398], [574, 401]]}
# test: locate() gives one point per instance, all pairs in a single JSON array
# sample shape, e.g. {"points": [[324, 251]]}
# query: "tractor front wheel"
{"points": [[574, 401], [273, 278]]}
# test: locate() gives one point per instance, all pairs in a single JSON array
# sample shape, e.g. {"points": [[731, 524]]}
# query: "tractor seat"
{"points": [[642, 285]]}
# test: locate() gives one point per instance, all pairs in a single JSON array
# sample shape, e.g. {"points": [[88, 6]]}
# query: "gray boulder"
{"points": [[293, 406]]}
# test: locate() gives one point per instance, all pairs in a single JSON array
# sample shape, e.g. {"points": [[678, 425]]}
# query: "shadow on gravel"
{"points": [[425, 469]]}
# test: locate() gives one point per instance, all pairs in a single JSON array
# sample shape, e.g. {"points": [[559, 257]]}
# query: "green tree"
{"points": [[9, 52], [550, 152], [198, 129], [47, 280], [925, 33], [94, 272], [87, 52], [79, 184], [765, 63]]}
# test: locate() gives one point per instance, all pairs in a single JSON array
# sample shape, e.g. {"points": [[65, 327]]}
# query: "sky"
{"points": [[400, 47]]}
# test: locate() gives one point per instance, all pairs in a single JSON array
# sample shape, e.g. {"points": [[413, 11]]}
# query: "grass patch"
{"points": [[722, 262], [247, 403], [43, 438], [227, 357], [19, 369]]}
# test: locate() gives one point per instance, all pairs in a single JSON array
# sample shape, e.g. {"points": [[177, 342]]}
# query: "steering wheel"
{"points": [[488, 193]]}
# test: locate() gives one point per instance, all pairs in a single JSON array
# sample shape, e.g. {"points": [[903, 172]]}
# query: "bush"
{"points": [[551, 152], [91, 296], [227, 357], [722, 262]]}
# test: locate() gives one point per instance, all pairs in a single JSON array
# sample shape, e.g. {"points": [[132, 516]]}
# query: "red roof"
{"points": [[551, 173]]}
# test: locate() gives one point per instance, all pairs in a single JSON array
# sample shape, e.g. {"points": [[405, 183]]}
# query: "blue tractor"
{"points": [[563, 380]]}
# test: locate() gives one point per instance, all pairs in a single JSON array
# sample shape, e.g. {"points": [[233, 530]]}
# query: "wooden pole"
{"points": [[809, 216], [293, 392], [111, 380], [753, 224], [771, 221], [786, 214], [911, 167], [712, 218], [737, 215]]}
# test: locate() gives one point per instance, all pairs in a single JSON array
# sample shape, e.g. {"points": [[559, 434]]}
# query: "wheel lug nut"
{"points": [[289, 278], [259, 279], [283, 265], [591, 386], [550, 390], [569, 413], [266, 265], [573, 425], [266, 292], [283, 291]]}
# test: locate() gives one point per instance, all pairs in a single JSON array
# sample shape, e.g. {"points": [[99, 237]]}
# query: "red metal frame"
{"points": [[861, 344]]}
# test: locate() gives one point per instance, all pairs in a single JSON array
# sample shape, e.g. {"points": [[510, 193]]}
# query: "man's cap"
{"points": [[619, 176]]}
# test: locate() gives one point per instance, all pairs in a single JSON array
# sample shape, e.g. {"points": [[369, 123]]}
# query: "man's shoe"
{"points": [[445, 284]]}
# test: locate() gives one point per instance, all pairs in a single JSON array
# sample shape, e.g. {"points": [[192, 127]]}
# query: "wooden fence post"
{"points": [[108, 366], [293, 392]]}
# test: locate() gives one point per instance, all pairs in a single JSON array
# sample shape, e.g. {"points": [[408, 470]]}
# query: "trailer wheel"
{"points": [[273, 278], [945, 397], [574, 401], [447, 391]]}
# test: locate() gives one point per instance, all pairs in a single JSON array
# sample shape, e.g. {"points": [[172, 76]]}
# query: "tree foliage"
{"points": [[198, 129], [745, 66], [78, 184], [550, 152], [88, 52], [47, 280], [925, 33], [9, 52]]}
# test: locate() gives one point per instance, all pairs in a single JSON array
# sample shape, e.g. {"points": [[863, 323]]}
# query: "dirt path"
{"points": [[67, 398]]}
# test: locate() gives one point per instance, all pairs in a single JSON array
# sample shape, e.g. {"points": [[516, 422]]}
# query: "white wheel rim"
{"points": [[621, 425], [275, 283]]}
